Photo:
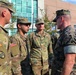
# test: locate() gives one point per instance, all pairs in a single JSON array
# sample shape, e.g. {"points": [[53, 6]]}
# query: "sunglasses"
{"points": [[27, 24], [58, 17]]}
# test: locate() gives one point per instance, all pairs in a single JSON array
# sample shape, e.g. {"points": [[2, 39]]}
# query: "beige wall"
{"points": [[52, 5]]}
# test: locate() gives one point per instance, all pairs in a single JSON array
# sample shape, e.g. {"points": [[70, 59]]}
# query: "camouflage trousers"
{"points": [[37, 70]]}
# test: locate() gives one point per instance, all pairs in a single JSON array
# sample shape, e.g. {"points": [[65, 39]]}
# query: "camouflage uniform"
{"points": [[5, 57], [5, 63], [20, 53], [65, 44], [54, 38], [40, 46], [67, 37]]}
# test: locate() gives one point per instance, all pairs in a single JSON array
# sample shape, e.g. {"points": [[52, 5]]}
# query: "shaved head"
{"points": [[67, 17]]}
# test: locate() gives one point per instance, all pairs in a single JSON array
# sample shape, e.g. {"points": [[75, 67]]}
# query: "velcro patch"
{"points": [[2, 54], [0, 44], [12, 45]]}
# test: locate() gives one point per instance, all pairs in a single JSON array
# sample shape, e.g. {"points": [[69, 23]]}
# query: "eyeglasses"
{"points": [[40, 24], [26, 24], [58, 17]]}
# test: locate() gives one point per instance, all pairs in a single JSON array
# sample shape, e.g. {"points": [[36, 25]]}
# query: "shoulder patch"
{"points": [[0, 44], [12, 45]]}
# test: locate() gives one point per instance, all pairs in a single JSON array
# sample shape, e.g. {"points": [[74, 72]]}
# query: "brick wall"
{"points": [[52, 5]]}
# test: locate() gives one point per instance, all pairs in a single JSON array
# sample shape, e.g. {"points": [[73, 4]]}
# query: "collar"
{"points": [[2, 29], [22, 37], [38, 34]]}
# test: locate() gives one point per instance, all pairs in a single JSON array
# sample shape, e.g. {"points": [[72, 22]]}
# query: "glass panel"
{"points": [[24, 8], [12, 0], [35, 10], [18, 9], [29, 18], [28, 10], [29, 3], [18, 1]]}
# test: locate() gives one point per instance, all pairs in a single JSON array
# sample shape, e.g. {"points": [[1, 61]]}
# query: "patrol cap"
{"points": [[23, 20], [60, 13], [6, 4], [39, 21]]}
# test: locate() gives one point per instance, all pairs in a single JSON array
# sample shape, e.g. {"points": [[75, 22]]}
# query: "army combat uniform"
{"points": [[67, 37], [20, 55], [41, 47], [5, 57], [5, 63]]}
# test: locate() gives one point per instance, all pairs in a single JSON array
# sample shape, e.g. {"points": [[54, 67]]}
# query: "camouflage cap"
{"points": [[6, 4], [38, 21], [23, 20], [60, 13]]}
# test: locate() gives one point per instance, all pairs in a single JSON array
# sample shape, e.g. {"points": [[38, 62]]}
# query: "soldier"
{"points": [[41, 48], [6, 10], [65, 49], [19, 49]]}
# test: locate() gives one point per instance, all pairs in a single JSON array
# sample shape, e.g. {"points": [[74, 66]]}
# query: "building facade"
{"points": [[26, 8], [52, 5], [30, 9], [33, 9]]}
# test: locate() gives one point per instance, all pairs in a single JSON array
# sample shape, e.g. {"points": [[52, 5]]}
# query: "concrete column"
{"points": [[41, 11]]}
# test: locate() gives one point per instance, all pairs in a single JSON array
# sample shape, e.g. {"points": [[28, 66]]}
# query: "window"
{"points": [[24, 8]]}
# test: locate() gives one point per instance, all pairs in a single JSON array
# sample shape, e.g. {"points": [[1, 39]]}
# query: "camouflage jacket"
{"points": [[5, 68], [19, 52], [67, 38], [41, 47], [54, 39]]}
